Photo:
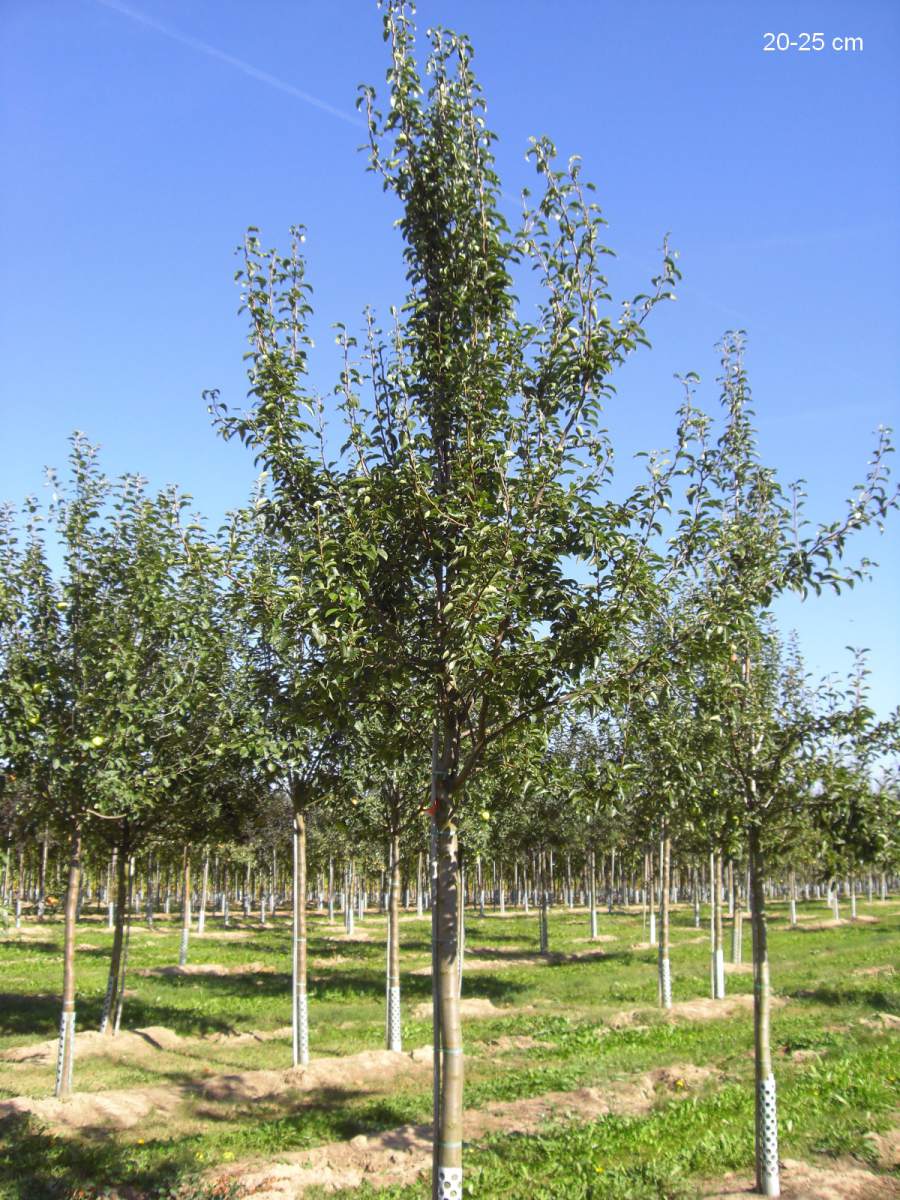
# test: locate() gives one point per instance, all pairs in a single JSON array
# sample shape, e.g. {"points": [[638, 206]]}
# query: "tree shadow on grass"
{"points": [[875, 998], [37, 1165]]}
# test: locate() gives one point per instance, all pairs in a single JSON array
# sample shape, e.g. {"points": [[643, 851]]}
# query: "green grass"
{"points": [[827, 1104]]}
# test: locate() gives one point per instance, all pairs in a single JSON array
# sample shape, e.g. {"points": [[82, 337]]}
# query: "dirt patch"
{"points": [[802, 1181], [522, 1041], [126, 1108], [474, 1006], [739, 968], [692, 1010], [129, 1043], [882, 1020], [814, 926], [887, 1148], [475, 960], [254, 968], [888, 970], [227, 935], [399, 1156]]}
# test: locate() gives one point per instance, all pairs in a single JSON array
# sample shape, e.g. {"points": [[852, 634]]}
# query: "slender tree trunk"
{"points": [[592, 892], [420, 909], [66, 1053], [42, 878], [449, 1130], [737, 933], [394, 1028], [793, 900], [123, 967], [651, 898], [665, 967], [300, 1005], [185, 910], [718, 946], [766, 1100], [115, 961], [204, 891]]}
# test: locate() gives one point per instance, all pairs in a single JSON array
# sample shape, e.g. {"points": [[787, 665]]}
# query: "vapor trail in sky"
{"points": [[246, 68]]}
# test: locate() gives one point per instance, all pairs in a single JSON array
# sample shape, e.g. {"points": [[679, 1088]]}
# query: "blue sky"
{"points": [[139, 140]]}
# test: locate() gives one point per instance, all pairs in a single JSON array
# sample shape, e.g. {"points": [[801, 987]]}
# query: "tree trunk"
{"points": [[766, 1102], [592, 892], [185, 910], [66, 1053], [665, 967], [449, 1130], [115, 961], [651, 899], [300, 1006], [394, 1028], [123, 967], [204, 890], [42, 878], [718, 946]]}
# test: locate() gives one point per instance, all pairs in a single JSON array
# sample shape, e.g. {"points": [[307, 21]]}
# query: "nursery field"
{"points": [[576, 1085]]}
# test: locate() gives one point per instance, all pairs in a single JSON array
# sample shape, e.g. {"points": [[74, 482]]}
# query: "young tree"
{"points": [[433, 549], [758, 548]]}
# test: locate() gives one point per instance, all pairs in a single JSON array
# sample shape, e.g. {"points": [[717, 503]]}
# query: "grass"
{"points": [[827, 1103]]}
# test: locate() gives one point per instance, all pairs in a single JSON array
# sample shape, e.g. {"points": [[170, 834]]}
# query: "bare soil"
{"points": [[803, 1181], [122, 1109], [399, 1156], [253, 968]]}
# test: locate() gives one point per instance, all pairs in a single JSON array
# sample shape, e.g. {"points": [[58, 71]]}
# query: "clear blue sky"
{"points": [[139, 140]]}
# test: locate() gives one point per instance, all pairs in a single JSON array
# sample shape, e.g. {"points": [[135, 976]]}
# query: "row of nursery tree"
{"points": [[441, 642]]}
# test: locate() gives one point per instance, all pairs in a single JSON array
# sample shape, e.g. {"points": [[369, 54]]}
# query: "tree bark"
{"points": [[66, 1054], [767, 1181]]}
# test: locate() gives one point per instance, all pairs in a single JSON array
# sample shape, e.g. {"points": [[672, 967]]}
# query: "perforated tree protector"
{"points": [[394, 1036], [450, 1183], [303, 1028], [66, 1037], [666, 982], [768, 1151]]}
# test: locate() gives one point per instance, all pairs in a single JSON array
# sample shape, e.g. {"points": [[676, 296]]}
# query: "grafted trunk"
{"points": [[66, 1053], [767, 1181]]}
